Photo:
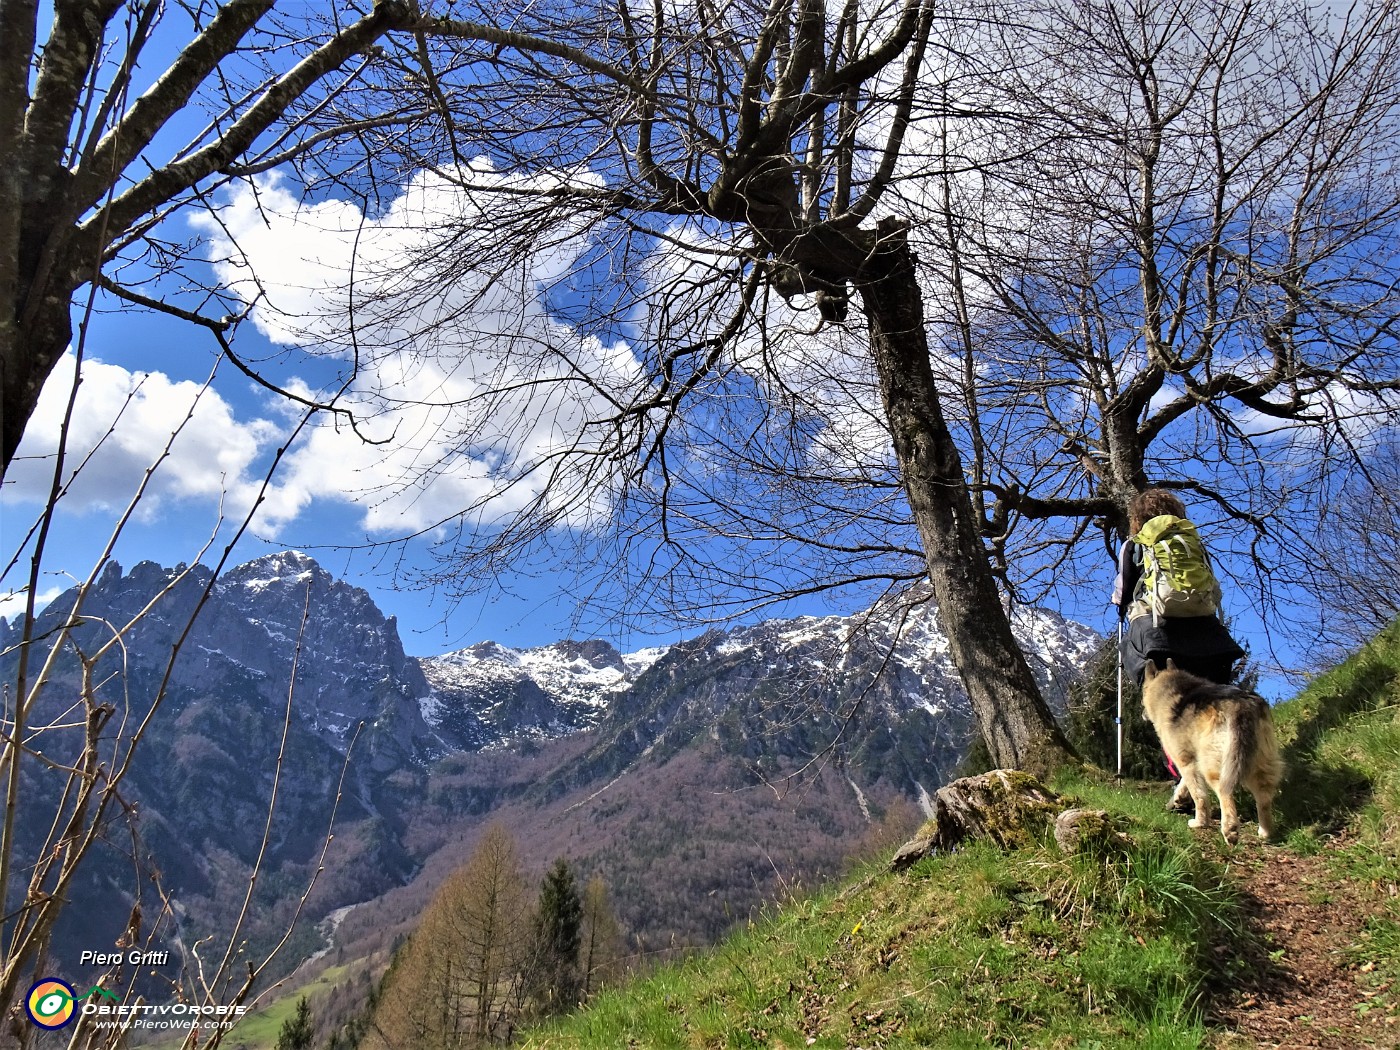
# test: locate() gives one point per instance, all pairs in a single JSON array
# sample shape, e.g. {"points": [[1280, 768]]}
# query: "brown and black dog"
{"points": [[1218, 736]]}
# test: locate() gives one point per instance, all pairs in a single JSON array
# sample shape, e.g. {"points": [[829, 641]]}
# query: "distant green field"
{"points": [[259, 1029]]}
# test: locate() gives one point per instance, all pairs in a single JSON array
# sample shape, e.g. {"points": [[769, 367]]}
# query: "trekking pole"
{"points": [[1119, 719]]}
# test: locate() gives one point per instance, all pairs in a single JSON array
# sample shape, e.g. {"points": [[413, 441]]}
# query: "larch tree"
{"points": [[459, 980], [599, 938]]}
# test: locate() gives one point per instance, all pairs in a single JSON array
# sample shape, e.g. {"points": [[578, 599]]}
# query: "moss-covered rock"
{"points": [[1008, 807]]}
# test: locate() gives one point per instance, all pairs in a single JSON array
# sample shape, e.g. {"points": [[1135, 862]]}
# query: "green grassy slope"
{"points": [[977, 948], [1342, 739], [1032, 948], [261, 1027]]}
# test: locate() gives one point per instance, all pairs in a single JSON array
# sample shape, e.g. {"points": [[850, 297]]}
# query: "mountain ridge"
{"points": [[781, 740]]}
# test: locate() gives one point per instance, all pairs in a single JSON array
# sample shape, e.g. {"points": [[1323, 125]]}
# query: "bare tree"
{"points": [[90, 179], [724, 161], [79, 709], [100, 154], [67, 764], [457, 982], [1165, 254], [1348, 562], [600, 948], [1158, 234]]}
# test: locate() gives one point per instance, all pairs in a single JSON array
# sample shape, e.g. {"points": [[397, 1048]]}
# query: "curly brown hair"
{"points": [[1150, 503]]}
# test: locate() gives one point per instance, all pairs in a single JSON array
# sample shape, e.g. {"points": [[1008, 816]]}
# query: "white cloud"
{"points": [[13, 602], [470, 394], [460, 373], [121, 424]]}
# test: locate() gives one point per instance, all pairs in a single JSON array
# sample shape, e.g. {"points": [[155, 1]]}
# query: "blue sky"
{"points": [[168, 361], [144, 373], [146, 370], [335, 496]]}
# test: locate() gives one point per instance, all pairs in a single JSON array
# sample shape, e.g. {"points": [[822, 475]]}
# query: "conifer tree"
{"points": [[457, 982], [297, 1030], [558, 925]]}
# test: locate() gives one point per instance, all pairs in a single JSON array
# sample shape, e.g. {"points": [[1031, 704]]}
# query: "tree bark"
{"points": [[1012, 716]]}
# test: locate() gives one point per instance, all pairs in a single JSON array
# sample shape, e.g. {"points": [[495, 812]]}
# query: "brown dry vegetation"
{"points": [[688, 848]]}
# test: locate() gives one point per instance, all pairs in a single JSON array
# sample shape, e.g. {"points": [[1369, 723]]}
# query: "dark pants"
{"points": [[1198, 644]]}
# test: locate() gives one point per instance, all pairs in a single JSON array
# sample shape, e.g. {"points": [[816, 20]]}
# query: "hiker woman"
{"points": [[1171, 609], [1195, 641]]}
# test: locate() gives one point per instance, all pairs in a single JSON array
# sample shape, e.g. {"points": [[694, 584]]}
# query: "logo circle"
{"points": [[50, 1003]]}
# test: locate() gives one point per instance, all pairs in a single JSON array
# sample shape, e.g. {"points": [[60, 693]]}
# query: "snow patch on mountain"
{"points": [[573, 673], [489, 693], [642, 659]]}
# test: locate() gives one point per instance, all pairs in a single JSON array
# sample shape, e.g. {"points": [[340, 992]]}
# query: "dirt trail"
{"points": [[1298, 987]]}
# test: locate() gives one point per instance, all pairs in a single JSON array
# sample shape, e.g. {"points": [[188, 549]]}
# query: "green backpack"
{"points": [[1176, 579]]}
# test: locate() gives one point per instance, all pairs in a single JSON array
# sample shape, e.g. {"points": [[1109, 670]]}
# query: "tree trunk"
{"points": [[28, 354], [1009, 809], [1012, 716]]}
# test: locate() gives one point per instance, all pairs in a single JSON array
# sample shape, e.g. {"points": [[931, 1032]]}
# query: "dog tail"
{"points": [[1241, 741]]}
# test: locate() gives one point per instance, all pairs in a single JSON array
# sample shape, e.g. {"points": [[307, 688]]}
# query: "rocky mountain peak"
{"points": [[493, 652], [593, 652], [351, 667], [285, 569], [488, 692]]}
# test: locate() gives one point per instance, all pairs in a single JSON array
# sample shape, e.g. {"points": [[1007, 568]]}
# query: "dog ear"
{"points": [[1149, 670], [1171, 665]]}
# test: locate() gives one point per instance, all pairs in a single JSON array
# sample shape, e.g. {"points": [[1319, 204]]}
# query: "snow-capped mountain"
{"points": [[351, 668], [912, 644], [489, 693], [403, 749], [878, 698], [352, 672]]}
